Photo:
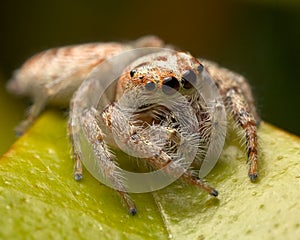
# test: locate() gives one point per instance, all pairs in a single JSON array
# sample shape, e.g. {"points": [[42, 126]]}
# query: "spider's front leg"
{"points": [[237, 105], [162, 160], [144, 141], [108, 168]]}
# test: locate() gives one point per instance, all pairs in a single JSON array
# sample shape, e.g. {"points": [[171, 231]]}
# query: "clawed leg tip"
{"points": [[214, 193], [133, 211], [253, 177], [77, 176]]}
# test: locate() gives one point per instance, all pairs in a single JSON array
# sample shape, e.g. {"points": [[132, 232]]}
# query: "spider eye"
{"points": [[170, 85], [132, 72], [200, 68], [189, 78], [150, 86]]}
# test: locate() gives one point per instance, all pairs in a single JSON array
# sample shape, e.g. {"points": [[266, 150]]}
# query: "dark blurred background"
{"points": [[259, 39]]}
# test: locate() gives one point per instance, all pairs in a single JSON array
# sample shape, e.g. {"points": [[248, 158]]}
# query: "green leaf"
{"points": [[40, 200], [39, 197]]}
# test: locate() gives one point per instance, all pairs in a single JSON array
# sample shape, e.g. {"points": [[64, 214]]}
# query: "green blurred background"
{"points": [[260, 39]]}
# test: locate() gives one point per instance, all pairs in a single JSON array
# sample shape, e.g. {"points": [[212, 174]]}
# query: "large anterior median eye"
{"points": [[170, 85], [189, 79]]}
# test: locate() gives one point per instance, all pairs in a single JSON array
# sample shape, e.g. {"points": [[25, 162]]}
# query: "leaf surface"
{"points": [[40, 199]]}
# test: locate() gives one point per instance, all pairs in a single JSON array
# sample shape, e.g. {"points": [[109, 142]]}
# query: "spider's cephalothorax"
{"points": [[53, 76]]}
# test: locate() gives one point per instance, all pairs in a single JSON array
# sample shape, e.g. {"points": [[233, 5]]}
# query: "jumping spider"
{"points": [[52, 77]]}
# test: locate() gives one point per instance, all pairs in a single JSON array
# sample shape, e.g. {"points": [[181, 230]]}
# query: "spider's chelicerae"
{"points": [[52, 77]]}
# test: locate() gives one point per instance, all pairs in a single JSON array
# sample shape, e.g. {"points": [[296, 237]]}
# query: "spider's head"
{"points": [[169, 72]]}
